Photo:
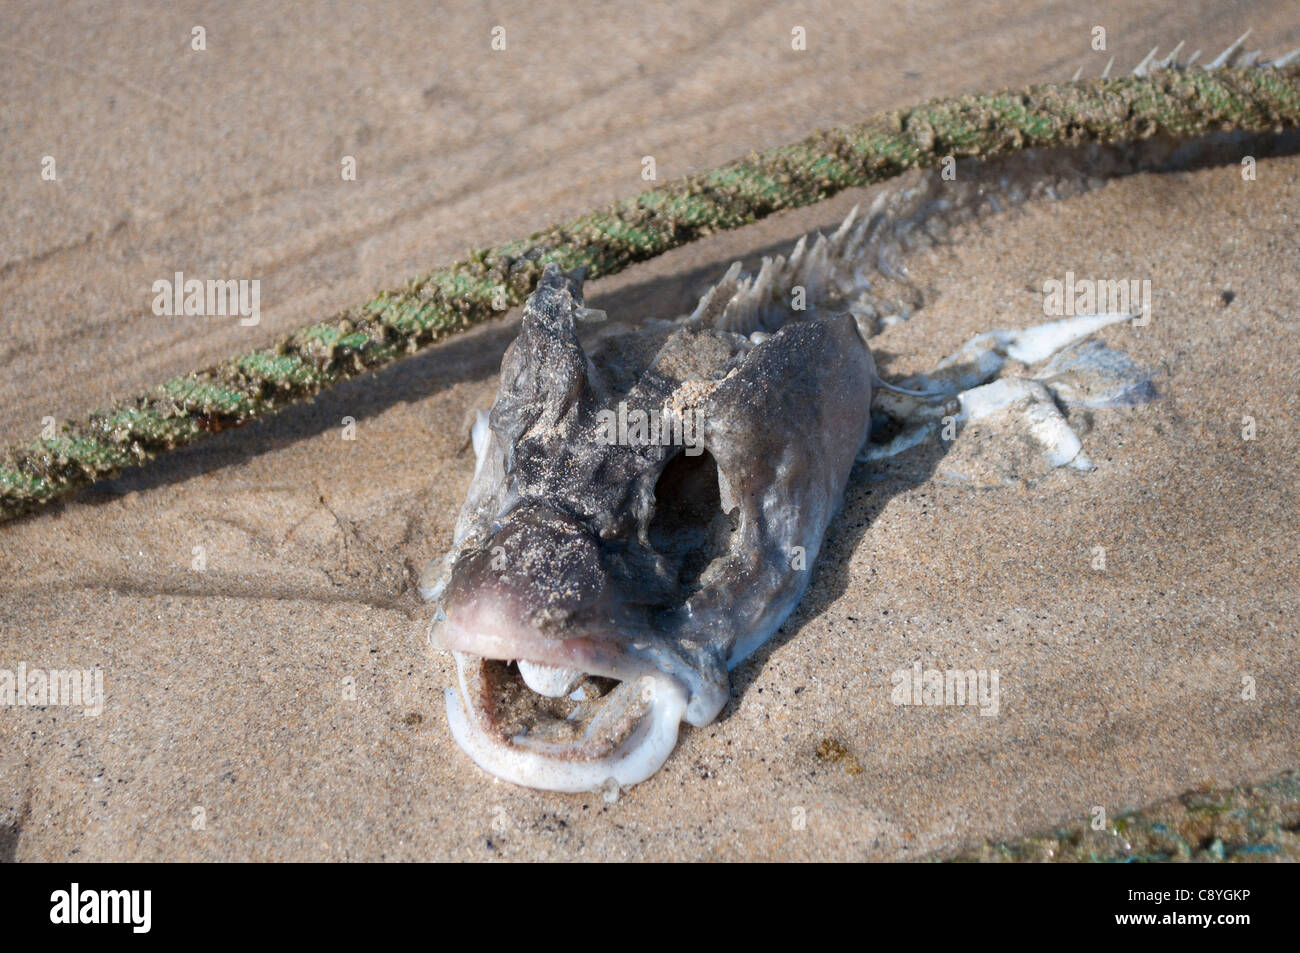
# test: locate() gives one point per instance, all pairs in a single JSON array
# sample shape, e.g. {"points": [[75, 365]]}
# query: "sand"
{"points": [[282, 704]]}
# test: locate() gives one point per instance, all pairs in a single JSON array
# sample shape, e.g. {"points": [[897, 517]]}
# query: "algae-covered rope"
{"points": [[1176, 102]]}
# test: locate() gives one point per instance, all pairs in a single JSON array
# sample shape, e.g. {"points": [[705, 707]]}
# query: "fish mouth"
{"points": [[579, 719], [606, 732]]}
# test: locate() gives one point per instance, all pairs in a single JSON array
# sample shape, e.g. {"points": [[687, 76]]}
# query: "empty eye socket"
{"points": [[689, 527]]}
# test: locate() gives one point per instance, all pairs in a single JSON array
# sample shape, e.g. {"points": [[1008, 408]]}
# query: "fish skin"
{"points": [[559, 558]]}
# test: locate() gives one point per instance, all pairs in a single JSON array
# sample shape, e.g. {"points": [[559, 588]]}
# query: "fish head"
{"points": [[639, 520]]}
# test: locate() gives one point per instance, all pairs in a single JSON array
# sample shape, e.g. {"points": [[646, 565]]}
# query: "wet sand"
{"points": [[286, 693]]}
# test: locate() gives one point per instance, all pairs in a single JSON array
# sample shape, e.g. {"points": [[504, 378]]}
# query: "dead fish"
{"points": [[627, 567], [646, 510]]}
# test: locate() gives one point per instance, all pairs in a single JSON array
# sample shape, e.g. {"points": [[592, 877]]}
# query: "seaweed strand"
{"points": [[1175, 102]]}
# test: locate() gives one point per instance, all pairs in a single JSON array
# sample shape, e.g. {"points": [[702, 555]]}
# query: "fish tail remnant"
{"points": [[1235, 91]]}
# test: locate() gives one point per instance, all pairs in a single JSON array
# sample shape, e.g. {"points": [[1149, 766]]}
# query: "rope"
{"points": [[1180, 103]]}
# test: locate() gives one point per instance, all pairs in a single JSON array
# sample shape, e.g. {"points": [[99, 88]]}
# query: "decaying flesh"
{"points": [[597, 593], [632, 574]]}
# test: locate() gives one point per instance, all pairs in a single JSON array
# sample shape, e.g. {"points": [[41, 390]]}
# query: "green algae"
{"points": [[1243, 824]]}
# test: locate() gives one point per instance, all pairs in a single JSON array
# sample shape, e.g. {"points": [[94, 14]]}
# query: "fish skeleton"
{"points": [[648, 501], [606, 575]]}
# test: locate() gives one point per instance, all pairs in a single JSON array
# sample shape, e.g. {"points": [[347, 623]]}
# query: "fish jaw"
{"points": [[620, 723], [628, 740]]}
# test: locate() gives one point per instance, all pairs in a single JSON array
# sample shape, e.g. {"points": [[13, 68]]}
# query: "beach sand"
{"points": [[282, 703]]}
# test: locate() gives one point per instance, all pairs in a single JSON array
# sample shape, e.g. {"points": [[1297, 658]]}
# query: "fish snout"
{"points": [[540, 570], [549, 695]]}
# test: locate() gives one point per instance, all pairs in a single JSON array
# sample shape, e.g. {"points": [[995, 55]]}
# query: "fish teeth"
{"points": [[549, 680]]}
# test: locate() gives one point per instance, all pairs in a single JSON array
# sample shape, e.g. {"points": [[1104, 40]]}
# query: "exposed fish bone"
{"points": [[607, 572]]}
